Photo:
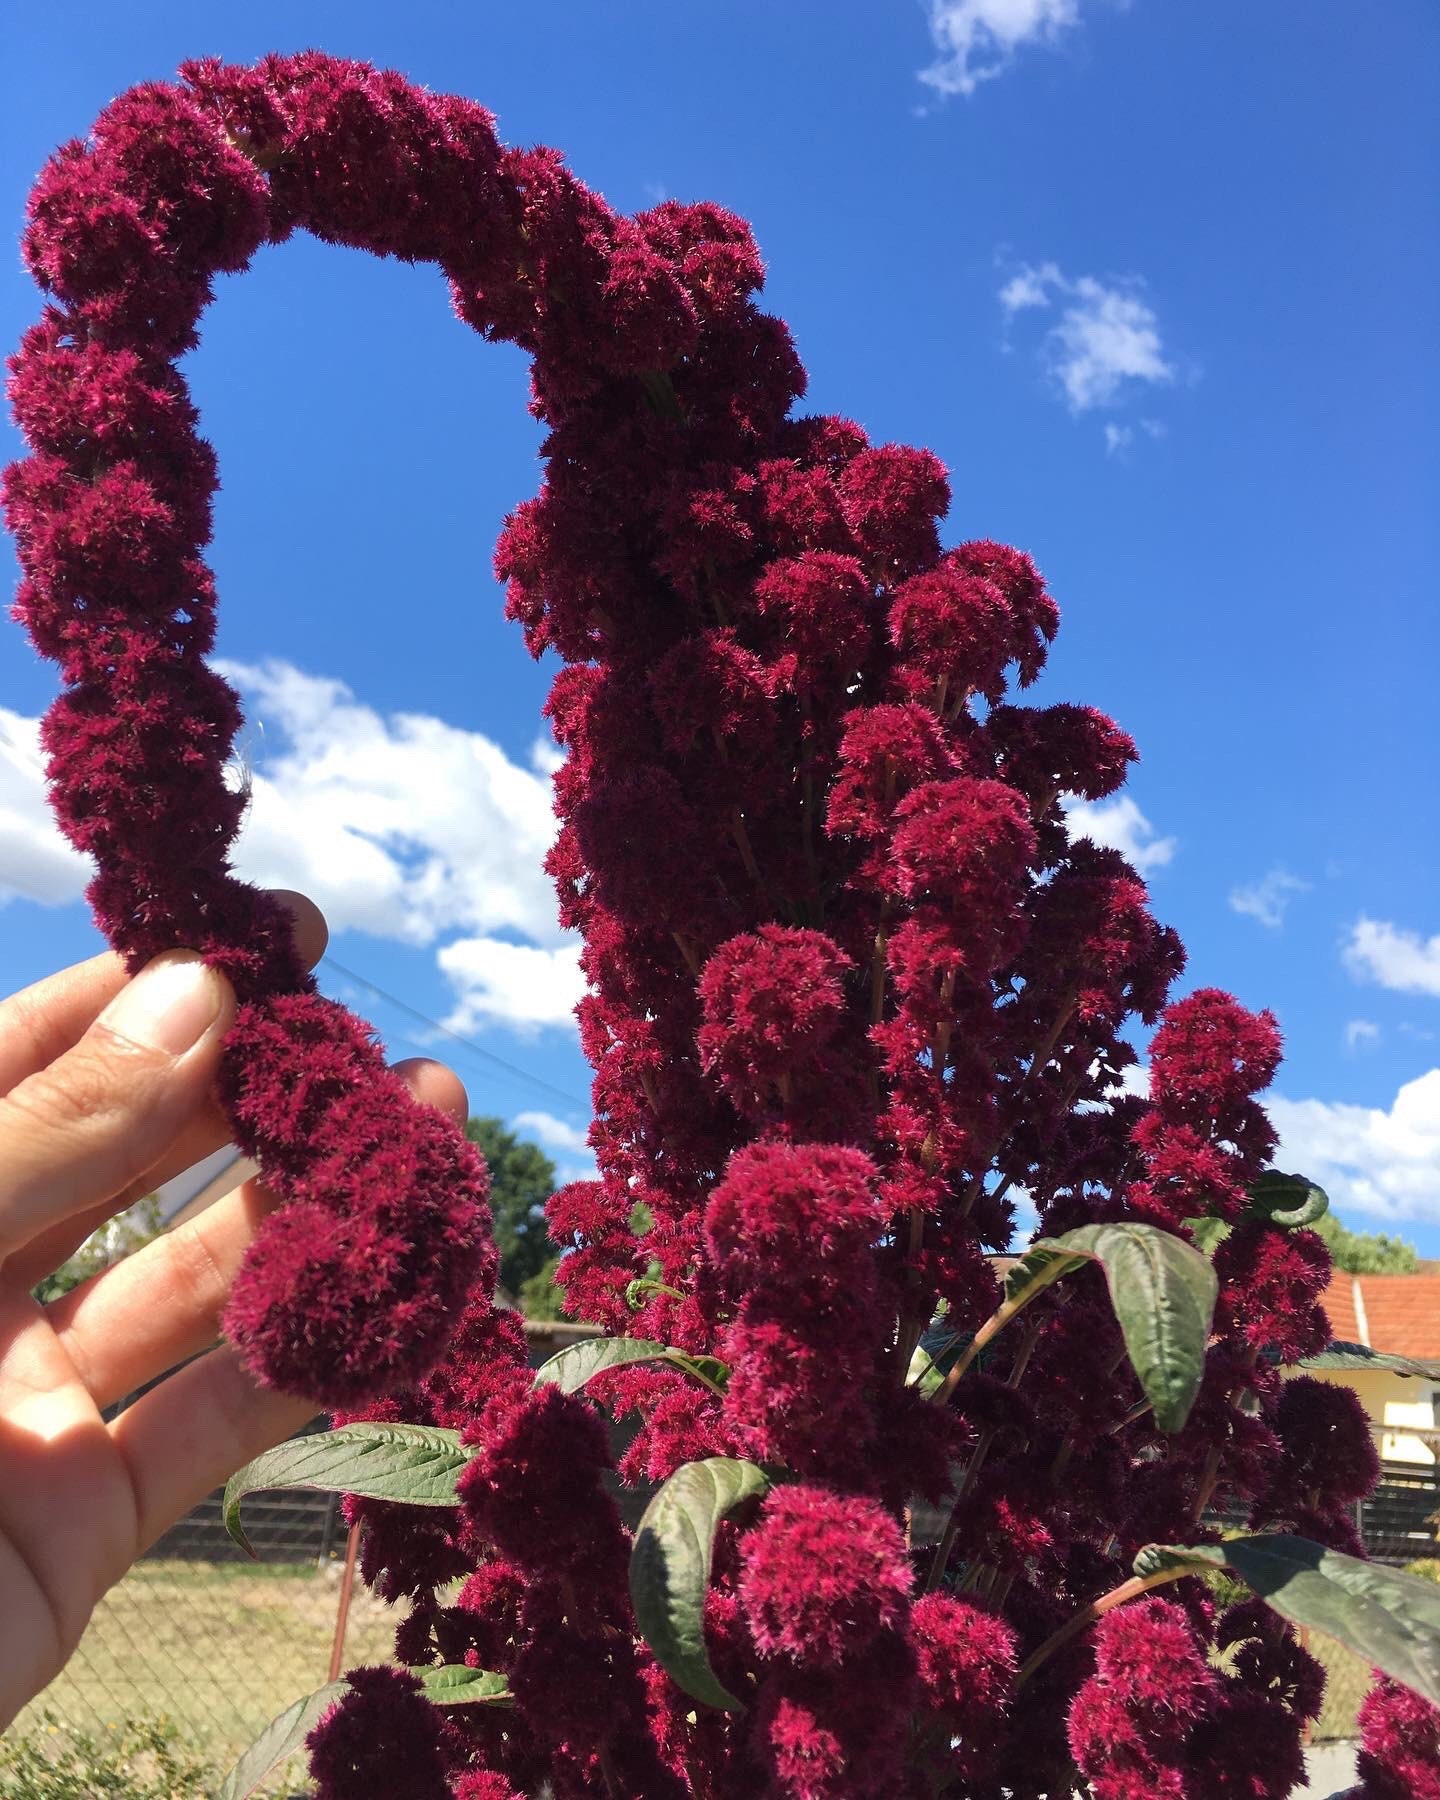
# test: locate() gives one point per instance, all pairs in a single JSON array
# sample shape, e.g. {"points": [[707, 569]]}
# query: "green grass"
{"points": [[1346, 1685], [219, 1648]]}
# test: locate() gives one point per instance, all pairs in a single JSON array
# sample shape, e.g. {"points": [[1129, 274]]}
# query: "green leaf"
{"points": [[457, 1685], [572, 1367], [1360, 1356], [935, 1355], [419, 1464], [638, 1291], [1209, 1234], [281, 1739], [670, 1567], [1386, 1618], [1163, 1291], [1290, 1200]]}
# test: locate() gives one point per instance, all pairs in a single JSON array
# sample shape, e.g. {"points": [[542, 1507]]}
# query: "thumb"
{"points": [[78, 1132]]}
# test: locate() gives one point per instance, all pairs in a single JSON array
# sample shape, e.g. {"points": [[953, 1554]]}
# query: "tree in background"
{"points": [[115, 1239], [522, 1179], [1367, 1252]]}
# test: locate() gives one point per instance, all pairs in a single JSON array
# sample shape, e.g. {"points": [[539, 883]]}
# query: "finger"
{"points": [[435, 1084], [97, 1118], [45, 1252], [45, 1020], [55, 1024], [163, 1303], [188, 1435]]}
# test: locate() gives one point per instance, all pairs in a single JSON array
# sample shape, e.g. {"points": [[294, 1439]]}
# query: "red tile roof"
{"points": [[1396, 1313]]}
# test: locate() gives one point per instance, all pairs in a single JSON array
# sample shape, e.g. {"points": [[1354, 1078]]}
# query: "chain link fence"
{"points": [[212, 1641], [218, 1644]]}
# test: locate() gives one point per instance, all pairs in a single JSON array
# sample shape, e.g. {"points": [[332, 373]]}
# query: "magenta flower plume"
{"points": [[824, 1575]]}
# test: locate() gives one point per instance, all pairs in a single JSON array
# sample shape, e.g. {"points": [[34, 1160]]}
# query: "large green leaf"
{"points": [[457, 1685], [1163, 1291], [572, 1367], [281, 1739], [419, 1464], [1291, 1200], [1386, 1618], [1360, 1356], [670, 1567]]}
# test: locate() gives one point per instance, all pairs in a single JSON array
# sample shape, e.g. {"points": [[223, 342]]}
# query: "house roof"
{"points": [[1399, 1314]]}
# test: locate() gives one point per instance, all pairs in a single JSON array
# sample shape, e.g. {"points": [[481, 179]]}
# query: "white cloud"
{"points": [[1268, 898], [515, 984], [1105, 341], [1031, 287], [1118, 438], [405, 826], [410, 828], [1361, 1033], [566, 1142], [546, 756], [1119, 824], [1394, 958], [553, 1133], [1382, 1162], [977, 39], [36, 861]]}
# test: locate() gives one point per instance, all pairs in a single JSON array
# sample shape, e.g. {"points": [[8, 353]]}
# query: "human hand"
{"points": [[105, 1093]]}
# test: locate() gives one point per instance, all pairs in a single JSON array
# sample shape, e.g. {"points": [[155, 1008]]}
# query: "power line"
{"points": [[488, 1056]]}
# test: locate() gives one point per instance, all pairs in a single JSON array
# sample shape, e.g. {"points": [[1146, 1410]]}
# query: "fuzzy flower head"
{"points": [[1147, 1655], [885, 751], [821, 603], [769, 1000], [1271, 1282], [966, 1660], [1210, 1052], [951, 627], [823, 1574], [892, 496], [381, 1737], [780, 1204], [1400, 1745]]}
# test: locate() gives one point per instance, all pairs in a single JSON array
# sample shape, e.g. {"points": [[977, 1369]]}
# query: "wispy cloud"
{"points": [[977, 39], [1119, 824], [1267, 899], [1105, 341], [36, 862], [568, 1143], [521, 985], [1361, 1034], [1397, 959], [1381, 1161]]}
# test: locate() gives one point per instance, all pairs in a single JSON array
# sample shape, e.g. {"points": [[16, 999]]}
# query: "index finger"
{"points": [[48, 1018]]}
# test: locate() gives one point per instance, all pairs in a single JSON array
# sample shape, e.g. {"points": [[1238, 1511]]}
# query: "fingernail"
{"points": [[169, 1006]]}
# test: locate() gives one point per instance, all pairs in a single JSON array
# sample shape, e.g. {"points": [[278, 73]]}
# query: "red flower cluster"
{"points": [[1157, 1719], [853, 988], [1400, 1746]]}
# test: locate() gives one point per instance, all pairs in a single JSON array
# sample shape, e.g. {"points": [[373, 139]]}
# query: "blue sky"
{"points": [[1157, 281]]}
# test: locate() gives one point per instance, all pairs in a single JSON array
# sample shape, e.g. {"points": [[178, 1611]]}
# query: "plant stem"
{"points": [[1038, 1061], [1210, 1474], [1127, 1590], [992, 1327], [952, 1523], [742, 841]]}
